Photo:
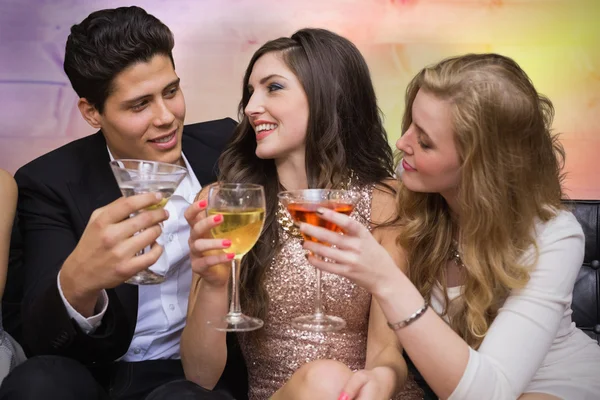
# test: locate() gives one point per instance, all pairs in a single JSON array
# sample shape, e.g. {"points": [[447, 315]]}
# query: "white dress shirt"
{"points": [[162, 308]]}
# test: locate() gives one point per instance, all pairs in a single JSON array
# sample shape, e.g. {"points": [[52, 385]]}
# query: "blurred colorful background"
{"points": [[556, 41]]}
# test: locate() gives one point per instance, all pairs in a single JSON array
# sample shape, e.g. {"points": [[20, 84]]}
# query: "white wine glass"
{"points": [[242, 206], [141, 176]]}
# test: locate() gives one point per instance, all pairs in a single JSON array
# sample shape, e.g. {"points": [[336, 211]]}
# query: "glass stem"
{"points": [[142, 251], [318, 303], [234, 307]]}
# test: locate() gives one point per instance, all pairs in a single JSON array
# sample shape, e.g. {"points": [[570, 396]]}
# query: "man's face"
{"points": [[143, 115]]}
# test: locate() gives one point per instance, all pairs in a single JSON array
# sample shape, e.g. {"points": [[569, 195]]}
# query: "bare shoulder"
{"points": [[8, 200], [203, 193], [8, 186], [384, 216], [383, 203]]}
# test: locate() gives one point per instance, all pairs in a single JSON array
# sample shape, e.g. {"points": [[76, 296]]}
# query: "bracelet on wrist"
{"points": [[415, 316]]}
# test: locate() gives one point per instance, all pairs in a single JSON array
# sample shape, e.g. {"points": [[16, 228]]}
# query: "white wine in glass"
{"points": [[243, 209], [138, 177]]}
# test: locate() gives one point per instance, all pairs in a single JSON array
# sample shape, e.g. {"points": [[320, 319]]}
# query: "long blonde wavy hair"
{"points": [[510, 177]]}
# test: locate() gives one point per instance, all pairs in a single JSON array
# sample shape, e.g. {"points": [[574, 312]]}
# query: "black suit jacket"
{"points": [[57, 194]]}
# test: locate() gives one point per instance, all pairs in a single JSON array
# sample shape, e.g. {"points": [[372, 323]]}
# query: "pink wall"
{"points": [[556, 42]]}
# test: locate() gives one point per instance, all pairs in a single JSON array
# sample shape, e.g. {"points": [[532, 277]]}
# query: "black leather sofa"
{"points": [[586, 296]]}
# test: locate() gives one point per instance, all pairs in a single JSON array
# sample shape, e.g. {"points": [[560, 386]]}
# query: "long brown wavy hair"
{"points": [[345, 133], [510, 177]]}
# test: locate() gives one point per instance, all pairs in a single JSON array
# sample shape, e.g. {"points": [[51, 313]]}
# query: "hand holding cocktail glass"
{"points": [[105, 255], [302, 206], [139, 176], [357, 255]]}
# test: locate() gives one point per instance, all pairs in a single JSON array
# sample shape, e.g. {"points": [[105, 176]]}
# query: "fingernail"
{"points": [[202, 203], [218, 218], [158, 195], [226, 243], [230, 256], [320, 211], [166, 213], [344, 396]]}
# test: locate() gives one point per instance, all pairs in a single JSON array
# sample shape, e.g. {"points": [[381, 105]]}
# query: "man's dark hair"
{"points": [[109, 41]]}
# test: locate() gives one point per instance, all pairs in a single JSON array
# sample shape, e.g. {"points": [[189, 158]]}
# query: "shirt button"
{"points": [[171, 237], [171, 307], [137, 350]]}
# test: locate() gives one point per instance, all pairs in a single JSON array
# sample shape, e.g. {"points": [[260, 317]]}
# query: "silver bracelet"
{"points": [[399, 325]]}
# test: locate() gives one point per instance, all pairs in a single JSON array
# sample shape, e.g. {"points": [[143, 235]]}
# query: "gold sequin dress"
{"points": [[291, 285]]}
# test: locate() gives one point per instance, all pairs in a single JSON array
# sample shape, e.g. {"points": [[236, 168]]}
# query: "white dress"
{"points": [[533, 344]]}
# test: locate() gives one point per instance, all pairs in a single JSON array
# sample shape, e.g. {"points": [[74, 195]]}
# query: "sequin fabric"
{"points": [[291, 285]]}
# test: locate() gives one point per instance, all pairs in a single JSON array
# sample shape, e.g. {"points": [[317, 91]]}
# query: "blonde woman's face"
{"points": [[430, 163]]}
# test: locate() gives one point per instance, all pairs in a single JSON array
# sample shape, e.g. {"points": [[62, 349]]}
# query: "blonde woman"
{"points": [[11, 352], [484, 311]]}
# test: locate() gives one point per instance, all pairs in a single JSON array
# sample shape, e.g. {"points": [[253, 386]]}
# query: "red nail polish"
{"points": [[344, 396], [226, 243], [202, 203], [230, 256], [218, 218]]}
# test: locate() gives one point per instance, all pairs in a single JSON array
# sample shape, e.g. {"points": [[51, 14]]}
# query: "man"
{"points": [[79, 243]]}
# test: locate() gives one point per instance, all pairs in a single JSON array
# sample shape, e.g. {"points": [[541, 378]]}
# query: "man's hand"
{"points": [[105, 256]]}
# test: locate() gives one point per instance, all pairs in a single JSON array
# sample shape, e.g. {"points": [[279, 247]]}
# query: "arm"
{"points": [[384, 362], [203, 348], [527, 323], [49, 238], [383, 349], [384, 353], [8, 205]]}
